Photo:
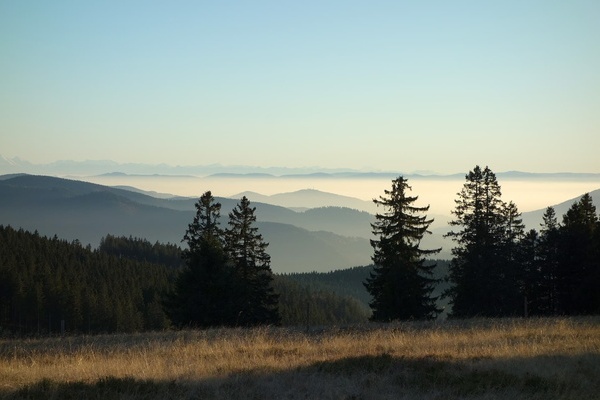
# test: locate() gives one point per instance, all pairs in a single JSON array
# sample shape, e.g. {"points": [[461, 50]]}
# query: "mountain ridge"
{"points": [[99, 167]]}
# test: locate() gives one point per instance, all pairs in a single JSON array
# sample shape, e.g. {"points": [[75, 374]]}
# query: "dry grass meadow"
{"points": [[555, 358]]}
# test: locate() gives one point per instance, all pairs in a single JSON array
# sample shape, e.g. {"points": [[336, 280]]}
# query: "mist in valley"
{"points": [[438, 192]]}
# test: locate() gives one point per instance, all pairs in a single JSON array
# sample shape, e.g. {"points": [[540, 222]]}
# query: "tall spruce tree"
{"points": [[256, 301], [204, 290], [481, 272], [401, 283]]}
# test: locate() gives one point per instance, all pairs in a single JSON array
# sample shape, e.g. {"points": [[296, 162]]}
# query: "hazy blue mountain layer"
{"points": [[86, 212]]}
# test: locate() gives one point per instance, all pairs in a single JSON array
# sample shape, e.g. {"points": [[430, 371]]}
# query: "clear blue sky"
{"points": [[378, 85]]}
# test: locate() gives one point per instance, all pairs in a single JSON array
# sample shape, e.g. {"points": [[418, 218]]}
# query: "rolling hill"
{"points": [[76, 210], [310, 198]]}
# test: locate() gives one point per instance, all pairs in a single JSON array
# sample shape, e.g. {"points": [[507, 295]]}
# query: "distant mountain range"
{"points": [[323, 233], [103, 167], [99, 167]]}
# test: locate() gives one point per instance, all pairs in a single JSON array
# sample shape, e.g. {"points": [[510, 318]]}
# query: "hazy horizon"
{"points": [[437, 191], [81, 167]]}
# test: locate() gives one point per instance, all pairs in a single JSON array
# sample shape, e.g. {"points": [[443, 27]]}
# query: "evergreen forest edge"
{"points": [[128, 284]]}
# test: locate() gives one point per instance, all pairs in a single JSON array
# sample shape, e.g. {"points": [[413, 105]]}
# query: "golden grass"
{"points": [[479, 359]]}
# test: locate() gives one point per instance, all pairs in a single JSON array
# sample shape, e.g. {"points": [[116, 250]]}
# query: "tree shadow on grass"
{"points": [[366, 377]]}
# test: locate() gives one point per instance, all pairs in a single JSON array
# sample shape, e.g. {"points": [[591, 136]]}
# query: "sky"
{"points": [[380, 86]]}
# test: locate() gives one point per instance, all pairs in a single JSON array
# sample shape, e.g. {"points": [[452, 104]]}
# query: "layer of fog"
{"points": [[440, 194]]}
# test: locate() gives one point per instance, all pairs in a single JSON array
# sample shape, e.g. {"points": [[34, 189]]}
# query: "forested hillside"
{"points": [[50, 285], [350, 282], [305, 304], [344, 282]]}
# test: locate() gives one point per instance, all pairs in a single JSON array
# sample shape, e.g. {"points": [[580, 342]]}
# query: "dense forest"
{"points": [[499, 269], [49, 285]]}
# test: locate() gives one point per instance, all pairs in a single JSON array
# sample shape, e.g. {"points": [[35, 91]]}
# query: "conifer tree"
{"points": [[481, 271], [204, 290], [255, 299], [401, 283]]}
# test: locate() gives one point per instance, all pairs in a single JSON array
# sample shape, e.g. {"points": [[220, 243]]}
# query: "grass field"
{"points": [[478, 359]]}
